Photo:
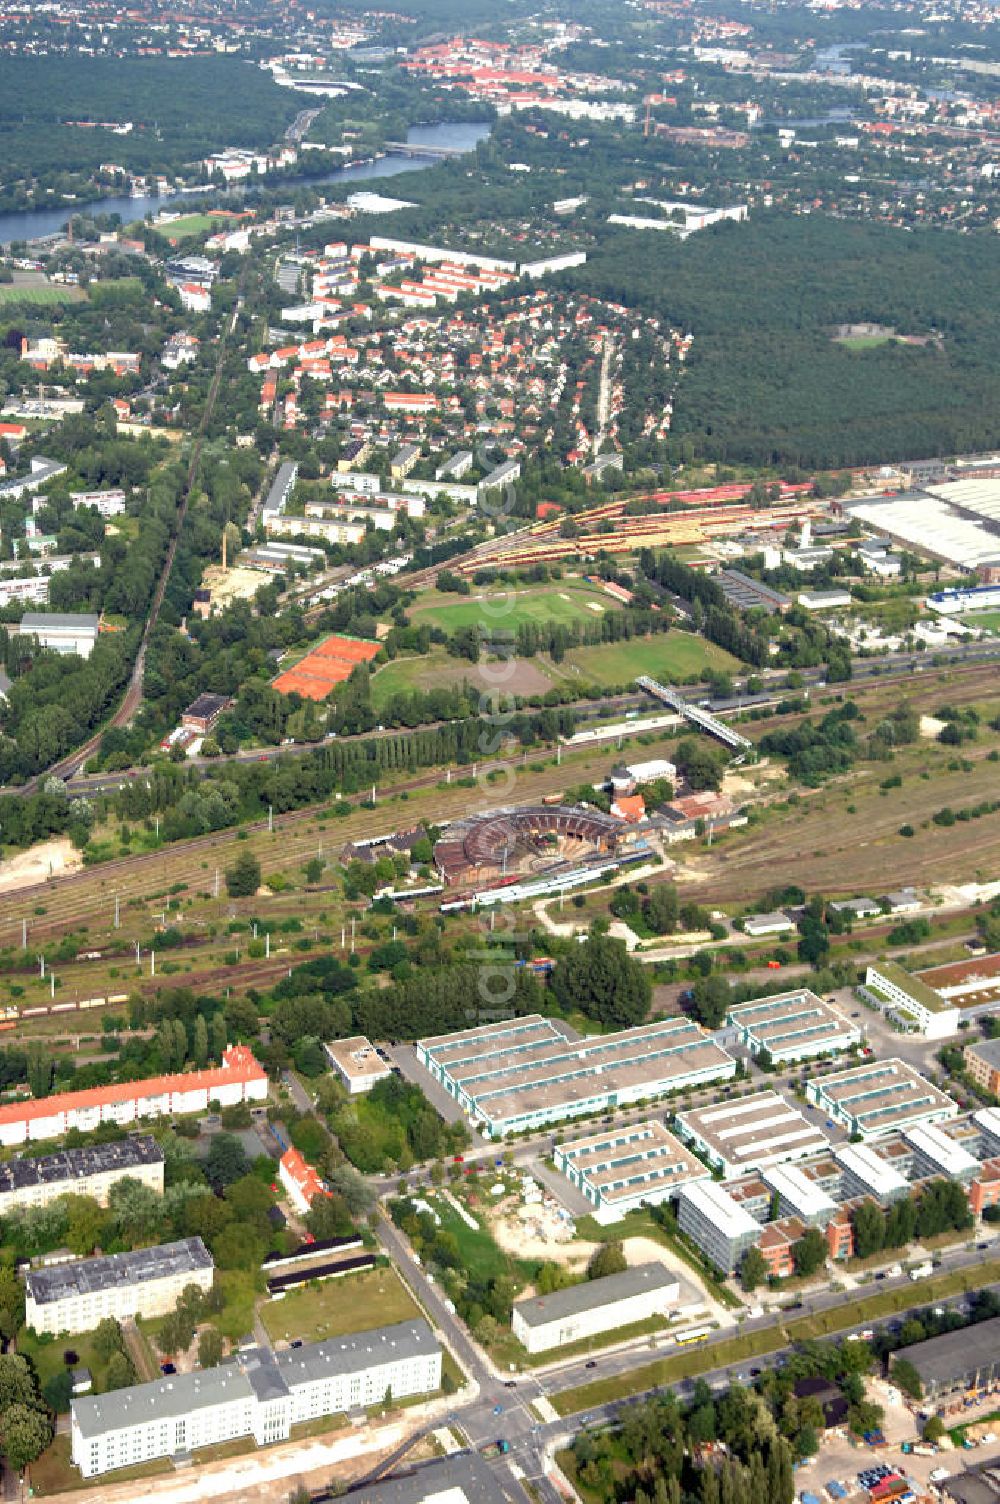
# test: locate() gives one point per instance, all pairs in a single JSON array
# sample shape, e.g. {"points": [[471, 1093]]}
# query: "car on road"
{"points": [[167, 1368], [459, 1159], [296, 1343], [510, 1384], [591, 1363], [497, 1409]]}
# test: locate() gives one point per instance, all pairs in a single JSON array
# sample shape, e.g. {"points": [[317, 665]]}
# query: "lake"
{"points": [[33, 224]]}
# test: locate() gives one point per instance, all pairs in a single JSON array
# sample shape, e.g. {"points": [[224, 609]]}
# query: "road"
{"points": [[501, 1408], [301, 124], [604, 392]]}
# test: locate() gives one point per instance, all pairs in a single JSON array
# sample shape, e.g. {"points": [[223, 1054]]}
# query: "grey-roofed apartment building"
{"points": [[956, 1362], [879, 1097], [145, 1282], [525, 1073], [504, 474], [597, 1305], [259, 1394], [281, 489], [90, 1171]]}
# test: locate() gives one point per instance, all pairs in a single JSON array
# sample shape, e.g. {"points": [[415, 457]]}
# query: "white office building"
{"points": [[937, 1153], [262, 1395], [77, 1297], [715, 1223], [749, 1133], [597, 1305], [879, 1097], [793, 1026], [357, 1062], [526, 1073], [799, 1195], [912, 1002], [622, 1167], [866, 1173]]}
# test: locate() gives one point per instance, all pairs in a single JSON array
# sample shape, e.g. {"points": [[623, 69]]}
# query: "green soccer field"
{"points": [[671, 656], [494, 608], [188, 224], [42, 295]]}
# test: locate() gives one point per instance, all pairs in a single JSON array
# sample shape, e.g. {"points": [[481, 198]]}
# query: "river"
{"points": [[33, 224]]}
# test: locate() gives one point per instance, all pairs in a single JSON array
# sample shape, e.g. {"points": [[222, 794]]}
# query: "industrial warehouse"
{"points": [[526, 1073], [792, 1026], [619, 1169], [881, 1097], [957, 1363], [600, 1305], [748, 1133]]}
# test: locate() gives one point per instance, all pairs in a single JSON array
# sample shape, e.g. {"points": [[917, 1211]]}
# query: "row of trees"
{"points": [[941, 1206]]}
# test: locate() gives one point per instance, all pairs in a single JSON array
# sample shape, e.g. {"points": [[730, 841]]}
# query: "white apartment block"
{"points": [[261, 1395]]}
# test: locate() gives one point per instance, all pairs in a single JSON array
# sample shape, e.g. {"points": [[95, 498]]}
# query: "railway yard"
{"points": [[174, 887]]}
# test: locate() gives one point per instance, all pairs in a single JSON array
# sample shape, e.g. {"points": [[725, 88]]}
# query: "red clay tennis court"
{"points": [[329, 663]]}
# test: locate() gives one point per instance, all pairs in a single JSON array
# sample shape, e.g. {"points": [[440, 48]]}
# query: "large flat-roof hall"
{"points": [[526, 1073], [882, 1096], [792, 1026]]}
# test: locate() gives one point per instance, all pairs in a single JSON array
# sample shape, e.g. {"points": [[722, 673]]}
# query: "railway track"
{"points": [[142, 880], [133, 695]]}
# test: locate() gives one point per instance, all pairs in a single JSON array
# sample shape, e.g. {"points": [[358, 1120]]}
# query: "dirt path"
{"points": [[47, 859]]}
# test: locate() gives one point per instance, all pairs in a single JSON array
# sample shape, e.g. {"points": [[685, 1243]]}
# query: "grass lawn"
{"points": [[989, 621], [432, 670], [957, 1433], [48, 1356], [560, 601], [482, 1257], [864, 341], [43, 295], [355, 1303], [671, 657], [54, 1473], [188, 224], [708, 1356]]}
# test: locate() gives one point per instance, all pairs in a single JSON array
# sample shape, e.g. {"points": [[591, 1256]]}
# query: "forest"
{"points": [[765, 384], [181, 110]]}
